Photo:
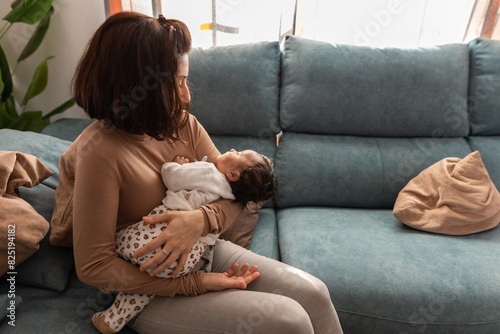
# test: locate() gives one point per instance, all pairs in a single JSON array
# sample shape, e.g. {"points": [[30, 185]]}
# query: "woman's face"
{"points": [[181, 78]]}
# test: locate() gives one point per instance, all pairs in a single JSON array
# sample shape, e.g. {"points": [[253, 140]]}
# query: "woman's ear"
{"points": [[233, 176]]}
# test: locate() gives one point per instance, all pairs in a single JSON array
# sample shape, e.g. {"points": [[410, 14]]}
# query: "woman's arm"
{"points": [[95, 203]]}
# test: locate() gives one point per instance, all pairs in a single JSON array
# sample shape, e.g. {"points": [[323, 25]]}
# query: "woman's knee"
{"points": [[276, 314], [296, 283], [316, 287]]}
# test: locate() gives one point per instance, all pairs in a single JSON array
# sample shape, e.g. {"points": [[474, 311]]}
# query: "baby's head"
{"points": [[250, 175]]}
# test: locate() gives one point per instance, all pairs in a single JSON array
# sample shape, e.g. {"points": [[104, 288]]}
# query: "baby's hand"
{"points": [[181, 160]]}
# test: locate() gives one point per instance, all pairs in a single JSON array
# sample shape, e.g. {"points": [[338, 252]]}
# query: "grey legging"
{"points": [[282, 300]]}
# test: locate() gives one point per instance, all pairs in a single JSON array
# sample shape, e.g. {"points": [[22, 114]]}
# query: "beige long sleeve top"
{"points": [[114, 180]]}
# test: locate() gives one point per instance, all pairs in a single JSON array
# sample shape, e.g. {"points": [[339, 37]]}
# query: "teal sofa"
{"points": [[355, 125]]}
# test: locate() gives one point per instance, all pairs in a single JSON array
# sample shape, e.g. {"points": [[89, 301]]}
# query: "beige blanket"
{"points": [[21, 227]]}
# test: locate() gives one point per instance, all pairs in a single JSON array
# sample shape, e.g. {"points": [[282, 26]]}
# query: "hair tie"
{"points": [[163, 21]]}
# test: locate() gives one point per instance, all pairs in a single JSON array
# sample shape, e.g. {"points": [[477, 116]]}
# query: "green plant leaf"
{"points": [[62, 108], [39, 81], [1, 82], [10, 106], [29, 11], [15, 3], [37, 36], [5, 117], [30, 121], [8, 113], [6, 77]]}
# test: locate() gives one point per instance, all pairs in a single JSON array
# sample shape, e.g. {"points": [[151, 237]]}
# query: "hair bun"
{"points": [[162, 19]]}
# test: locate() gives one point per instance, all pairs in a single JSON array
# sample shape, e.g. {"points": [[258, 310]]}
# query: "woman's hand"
{"points": [[224, 281], [183, 229]]}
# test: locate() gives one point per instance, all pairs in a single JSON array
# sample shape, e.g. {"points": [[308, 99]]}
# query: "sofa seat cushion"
{"points": [[8, 304], [46, 311], [376, 268]]}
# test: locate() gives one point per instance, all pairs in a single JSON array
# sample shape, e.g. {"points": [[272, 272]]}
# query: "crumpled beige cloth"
{"points": [[20, 224], [453, 196]]}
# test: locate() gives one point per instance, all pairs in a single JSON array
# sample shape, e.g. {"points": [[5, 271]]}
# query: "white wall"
{"points": [[71, 26]]}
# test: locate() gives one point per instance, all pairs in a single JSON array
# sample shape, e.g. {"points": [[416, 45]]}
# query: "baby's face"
{"points": [[236, 161]]}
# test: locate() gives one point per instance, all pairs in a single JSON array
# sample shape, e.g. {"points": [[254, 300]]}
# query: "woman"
{"points": [[132, 79]]}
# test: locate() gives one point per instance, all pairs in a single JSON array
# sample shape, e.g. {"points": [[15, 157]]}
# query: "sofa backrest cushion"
{"points": [[348, 171], [363, 91], [67, 128], [484, 89], [489, 146], [235, 89]]}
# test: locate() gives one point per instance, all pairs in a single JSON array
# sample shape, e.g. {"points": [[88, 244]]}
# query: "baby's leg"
{"points": [[125, 307], [133, 237], [193, 258], [128, 240]]}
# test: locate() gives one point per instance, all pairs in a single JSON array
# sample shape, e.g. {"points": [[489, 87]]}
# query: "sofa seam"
{"points": [[418, 323], [384, 187]]}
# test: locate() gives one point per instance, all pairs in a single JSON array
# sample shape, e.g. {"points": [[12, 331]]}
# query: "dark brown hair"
{"points": [[256, 183], [127, 75]]}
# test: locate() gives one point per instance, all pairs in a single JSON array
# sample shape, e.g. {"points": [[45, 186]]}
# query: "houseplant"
{"points": [[27, 12]]}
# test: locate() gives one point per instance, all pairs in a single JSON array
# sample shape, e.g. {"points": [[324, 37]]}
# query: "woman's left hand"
{"points": [[183, 229], [228, 280]]}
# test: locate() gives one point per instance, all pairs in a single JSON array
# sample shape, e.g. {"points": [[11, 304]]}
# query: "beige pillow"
{"points": [[242, 230], [21, 227], [453, 196]]}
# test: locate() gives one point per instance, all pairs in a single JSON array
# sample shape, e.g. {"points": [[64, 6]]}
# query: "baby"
{"points": [[241, 176]]}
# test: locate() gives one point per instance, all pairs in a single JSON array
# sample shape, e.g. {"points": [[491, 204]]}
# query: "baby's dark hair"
{"points": [[256, 183]]}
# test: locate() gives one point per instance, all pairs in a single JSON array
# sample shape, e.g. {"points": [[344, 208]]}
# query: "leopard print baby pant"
{"points": [[133, 237], [128, 240]]}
